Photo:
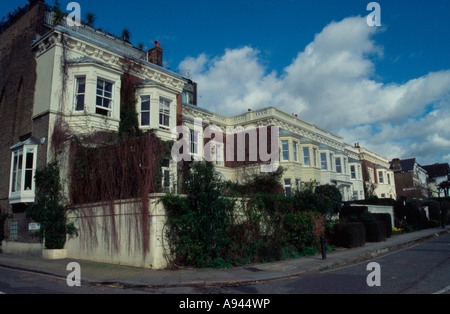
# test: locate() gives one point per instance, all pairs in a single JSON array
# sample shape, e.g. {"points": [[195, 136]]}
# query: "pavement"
{"points": [[100, 273]]}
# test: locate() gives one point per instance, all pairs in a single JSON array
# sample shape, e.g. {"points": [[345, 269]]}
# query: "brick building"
{"points": [[20, 130], [411, 180]]}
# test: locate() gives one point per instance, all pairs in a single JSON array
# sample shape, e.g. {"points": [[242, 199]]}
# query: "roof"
{"points": [[437, 170], [31, 141], [405, 164], [110, 43]]}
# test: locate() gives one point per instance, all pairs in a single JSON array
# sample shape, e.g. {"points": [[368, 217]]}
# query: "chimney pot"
{"points": [[157, 43]]}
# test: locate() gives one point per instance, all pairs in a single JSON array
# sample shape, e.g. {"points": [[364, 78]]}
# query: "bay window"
{"points": [[23, 168]]}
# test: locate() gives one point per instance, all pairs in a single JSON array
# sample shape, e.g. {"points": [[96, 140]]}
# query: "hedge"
{"points": [[386, 218], [349, 234], [375, 231]]}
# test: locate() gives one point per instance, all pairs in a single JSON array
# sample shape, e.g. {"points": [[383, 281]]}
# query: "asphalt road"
{"points": [[423, 268]]}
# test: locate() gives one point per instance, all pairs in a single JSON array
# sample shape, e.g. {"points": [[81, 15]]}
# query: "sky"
{"points": [[386, 87]]}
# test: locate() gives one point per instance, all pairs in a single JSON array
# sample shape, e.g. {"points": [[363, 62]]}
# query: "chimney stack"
{"points": [[396, 165], [155, 55]]}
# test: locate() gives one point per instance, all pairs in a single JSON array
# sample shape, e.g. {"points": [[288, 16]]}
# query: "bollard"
{"points": [[324, 251]]}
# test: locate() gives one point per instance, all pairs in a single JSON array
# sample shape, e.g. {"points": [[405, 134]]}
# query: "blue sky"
{"points": [[386, 87]]}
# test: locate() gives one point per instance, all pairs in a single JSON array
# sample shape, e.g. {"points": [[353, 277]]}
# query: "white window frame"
{"points": [[295, 150], [306, 157], [77, 93], [193, 142], [287, 185], [187, 97], [353, 172], [165, 185], [146, 111], [219, 154], [284, 149], [380, 177], [110, 108], [323, 161], [164, 112], [338, 165], [21, 173], [315, 156]]}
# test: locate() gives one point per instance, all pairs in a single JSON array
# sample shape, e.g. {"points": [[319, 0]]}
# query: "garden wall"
{"points": [[120, 233]]}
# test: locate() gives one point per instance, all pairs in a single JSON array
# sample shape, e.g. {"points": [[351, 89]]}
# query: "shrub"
{"points": [[331, 199], [199, 224], [49, 208], [354, 213], [375, 231], [386, 218], [349, 234]]}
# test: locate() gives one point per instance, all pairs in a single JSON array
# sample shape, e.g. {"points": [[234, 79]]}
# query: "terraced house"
{"points": [[58, 78], [53, 75]]}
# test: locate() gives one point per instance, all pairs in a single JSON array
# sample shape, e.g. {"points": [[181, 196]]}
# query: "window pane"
{"points": [[81, 85], [145, 103], [29, 160], [285, 148], [108, 87], [338, 165], [101, 111], [79, 106], [19, 162], [14, 231], [323, 161], [106, 103], [28, 180], [306, 156], [99, 86], [145, 118]]}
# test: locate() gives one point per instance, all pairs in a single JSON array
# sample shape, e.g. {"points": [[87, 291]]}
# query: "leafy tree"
{"points": [[49, 209], [198, 224], [444, 186], [331, 199]]}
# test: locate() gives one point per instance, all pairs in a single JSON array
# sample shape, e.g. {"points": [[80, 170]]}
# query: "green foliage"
{"points": [[198, 224], [331, 199], [207, 229], [49, 209], [298, 230]]}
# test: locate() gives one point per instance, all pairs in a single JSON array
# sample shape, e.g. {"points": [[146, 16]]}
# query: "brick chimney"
{"points": [[396, 164], [155, 55]]}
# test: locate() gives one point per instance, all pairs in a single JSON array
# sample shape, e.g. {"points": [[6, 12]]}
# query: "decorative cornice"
{"points": [[111, 58]]}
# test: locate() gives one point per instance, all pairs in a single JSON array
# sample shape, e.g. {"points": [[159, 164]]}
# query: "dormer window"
{"points": [[23, 168]]}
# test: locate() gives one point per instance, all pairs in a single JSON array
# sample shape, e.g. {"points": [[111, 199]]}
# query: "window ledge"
{"points": [[21, 197]]}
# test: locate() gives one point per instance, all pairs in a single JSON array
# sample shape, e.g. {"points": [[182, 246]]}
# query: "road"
{"points": [[423, 268]]}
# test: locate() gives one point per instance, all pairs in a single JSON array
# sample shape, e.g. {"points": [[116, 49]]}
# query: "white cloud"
{"points": [[331, 84]]}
